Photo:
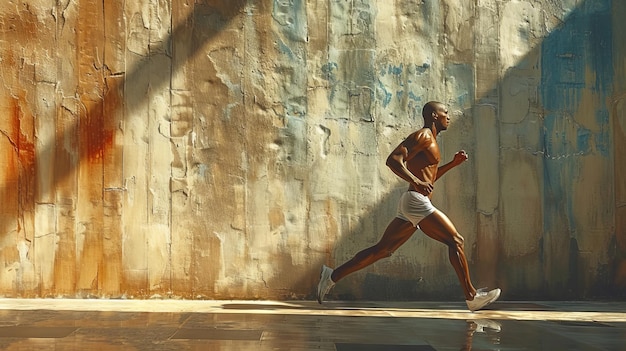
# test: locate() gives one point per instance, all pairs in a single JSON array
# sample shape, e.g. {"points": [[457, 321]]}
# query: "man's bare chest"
{"points": [[432, 156]]}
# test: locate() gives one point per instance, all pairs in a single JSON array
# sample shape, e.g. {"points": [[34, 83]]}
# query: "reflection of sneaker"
{"points": [[479, 325], [325, 283], [482, 299]]}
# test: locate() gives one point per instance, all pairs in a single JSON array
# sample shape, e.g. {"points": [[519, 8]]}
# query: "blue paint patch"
{"points": [[460, 77], [290, 34], [384, 95], [401, 79], [395, 70], [284, 49], [414, 97], [583, 139], [602, 140], [555, 141], [420, 69], [583, 43], [202, 170], [329, 71], [399, 94], [291, 16]]}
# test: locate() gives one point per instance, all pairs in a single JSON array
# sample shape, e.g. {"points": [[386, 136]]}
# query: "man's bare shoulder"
{"points": [[418, 141], [422, 136]]}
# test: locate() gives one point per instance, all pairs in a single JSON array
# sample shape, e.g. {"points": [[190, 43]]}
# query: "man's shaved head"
{"points": [[429, 108]]}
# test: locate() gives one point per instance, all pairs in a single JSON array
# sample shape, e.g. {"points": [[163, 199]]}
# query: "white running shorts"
{"points": [[413, 207]]}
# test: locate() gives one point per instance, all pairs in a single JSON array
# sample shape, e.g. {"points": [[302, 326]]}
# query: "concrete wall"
{"points": [[226, 149]]}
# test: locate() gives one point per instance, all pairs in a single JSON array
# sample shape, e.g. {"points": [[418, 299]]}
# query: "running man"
{"points": [[416, 160]]}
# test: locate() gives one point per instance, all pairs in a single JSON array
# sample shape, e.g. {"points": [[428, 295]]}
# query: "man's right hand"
{"points": [[424, 188]]}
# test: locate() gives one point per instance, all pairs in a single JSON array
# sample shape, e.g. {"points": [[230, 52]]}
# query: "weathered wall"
{"points": [[226, 149]]}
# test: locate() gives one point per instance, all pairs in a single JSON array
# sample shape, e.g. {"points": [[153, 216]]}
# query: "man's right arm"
{"points": [[397, 162], [398, 158]]}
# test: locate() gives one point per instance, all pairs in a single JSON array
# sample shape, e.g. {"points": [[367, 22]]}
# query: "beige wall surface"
{"points": [[227, 148]]}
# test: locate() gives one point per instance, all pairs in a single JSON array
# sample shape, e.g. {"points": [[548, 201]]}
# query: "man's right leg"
{"points": [[396, 234], [439, 227]]}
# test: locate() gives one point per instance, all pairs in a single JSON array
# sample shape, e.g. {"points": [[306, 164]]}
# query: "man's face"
{"points": [[443, 120]]}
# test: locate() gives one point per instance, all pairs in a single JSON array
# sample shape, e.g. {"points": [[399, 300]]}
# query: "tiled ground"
{"points": [[50, 324]]}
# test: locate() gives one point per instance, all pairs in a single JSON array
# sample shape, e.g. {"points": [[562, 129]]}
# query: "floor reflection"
{"points": [[304, 325], [488, 327]]}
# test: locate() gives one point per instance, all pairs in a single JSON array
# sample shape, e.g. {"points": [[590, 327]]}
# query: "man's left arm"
{"points": [[459, 158]]}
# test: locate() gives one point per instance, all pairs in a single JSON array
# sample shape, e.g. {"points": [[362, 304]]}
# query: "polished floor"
{"points": [[65, 324]]}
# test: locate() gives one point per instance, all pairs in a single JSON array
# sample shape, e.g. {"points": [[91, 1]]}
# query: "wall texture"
{"points": [[228, 148]]}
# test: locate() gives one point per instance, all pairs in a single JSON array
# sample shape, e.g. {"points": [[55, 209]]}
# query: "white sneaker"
{"points": [[325, 284], [482, 299]]}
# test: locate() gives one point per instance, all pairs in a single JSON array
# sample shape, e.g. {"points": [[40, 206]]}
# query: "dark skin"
{"points": [[416, 160]]}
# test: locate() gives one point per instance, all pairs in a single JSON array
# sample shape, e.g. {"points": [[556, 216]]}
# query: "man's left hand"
{"points": [[460, 157]]}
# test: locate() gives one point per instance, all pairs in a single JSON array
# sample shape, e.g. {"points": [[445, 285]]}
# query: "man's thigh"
{"points": [[396, 234], [439, 227]]}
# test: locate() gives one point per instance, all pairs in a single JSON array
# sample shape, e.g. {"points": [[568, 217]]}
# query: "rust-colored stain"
{"points": [[22, 134], [22, 23], [93, 136]]}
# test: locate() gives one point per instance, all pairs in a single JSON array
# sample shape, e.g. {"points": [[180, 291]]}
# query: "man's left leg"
{"points": [[396, 234]]}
